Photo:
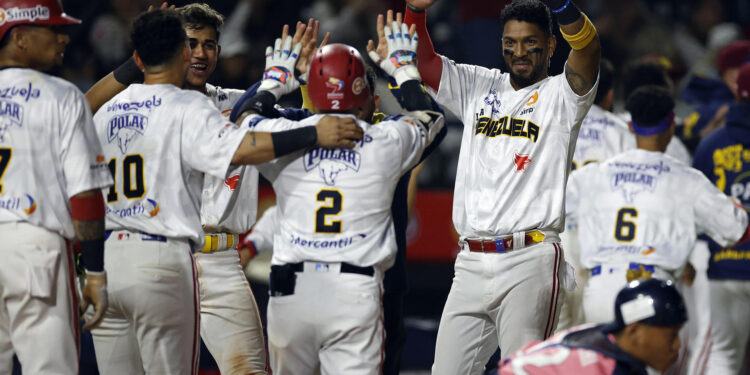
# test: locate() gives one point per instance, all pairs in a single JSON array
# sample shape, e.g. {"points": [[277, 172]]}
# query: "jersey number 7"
{"points": [[133, 186]]}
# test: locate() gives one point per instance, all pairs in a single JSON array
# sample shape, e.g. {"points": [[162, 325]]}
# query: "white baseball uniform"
{"points": [[335, 227], [515, 155], [230, 323], [603, 134], [643, 207], [160, 141], [48, 153]]}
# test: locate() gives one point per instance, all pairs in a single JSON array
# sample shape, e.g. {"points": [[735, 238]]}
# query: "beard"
{"points": [[534, 76]]}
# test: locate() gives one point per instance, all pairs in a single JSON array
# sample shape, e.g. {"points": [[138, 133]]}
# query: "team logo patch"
{"points": [[336, 87], [23, 14], [358, 85], [402, 58], [277, 73], [632, 183], [125, 128], [331, 162], [11, 114], [648, 251], [493, 100], [232, 182], [521, 161], [533, 98]]}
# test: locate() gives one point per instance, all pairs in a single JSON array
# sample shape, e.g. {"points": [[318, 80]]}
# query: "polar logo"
{"points": [[124, 128], [632, 184], [10, 114], [331, 162]]}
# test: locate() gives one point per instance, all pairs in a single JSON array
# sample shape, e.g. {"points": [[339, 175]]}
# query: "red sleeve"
{"points": [[428, 61]]}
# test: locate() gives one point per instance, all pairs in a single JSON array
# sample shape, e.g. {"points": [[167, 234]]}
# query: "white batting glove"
{"points": [[278, 79], [94, 293], [401, 63]]}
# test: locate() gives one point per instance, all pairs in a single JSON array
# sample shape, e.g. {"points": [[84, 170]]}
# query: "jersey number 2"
{"points": [[5, 154], [332, 207], [624, 229], [133, 186]]}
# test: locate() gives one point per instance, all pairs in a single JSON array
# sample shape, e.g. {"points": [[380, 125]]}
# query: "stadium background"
{"points": [[684, 33]]}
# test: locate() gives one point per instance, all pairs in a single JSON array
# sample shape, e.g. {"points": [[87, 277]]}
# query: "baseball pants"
{"points": [[38, 307], [571, 313], [332, 320], [152, 323], [230, 323], [506, 299]]}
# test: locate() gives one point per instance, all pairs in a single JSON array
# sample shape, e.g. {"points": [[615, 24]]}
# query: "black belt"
{"points": [[345, 268], [283, 278]]}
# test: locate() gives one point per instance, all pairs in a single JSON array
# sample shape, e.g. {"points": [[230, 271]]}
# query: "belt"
{"points": [[219, 242], [132, 235], [345, 268], [632, 266], [504, 243]]}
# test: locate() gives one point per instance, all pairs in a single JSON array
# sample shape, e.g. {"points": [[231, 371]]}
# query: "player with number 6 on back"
{"points": [[51, 173], [335, 236], [520, 129], [161, 140]]}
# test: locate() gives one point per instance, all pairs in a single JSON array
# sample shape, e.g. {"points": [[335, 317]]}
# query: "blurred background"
{"points": [[683, 35]]}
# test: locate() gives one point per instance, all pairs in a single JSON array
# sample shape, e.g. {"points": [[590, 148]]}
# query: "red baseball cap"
{"points": [[733, 55], [36, 12], [743, 82]]}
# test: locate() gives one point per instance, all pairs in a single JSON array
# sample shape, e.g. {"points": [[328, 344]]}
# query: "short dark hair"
{"points": [[649, 105], [371, 78], [158, 36], [197, 16], [644, 73], [531, 11], [606, 80]]}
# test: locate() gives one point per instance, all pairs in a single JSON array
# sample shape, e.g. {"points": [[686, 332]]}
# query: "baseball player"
{"points": [[51, 170], [335, 231], [724, 157], [520, 129], [643, 333], [643, 208], [159, 141]]}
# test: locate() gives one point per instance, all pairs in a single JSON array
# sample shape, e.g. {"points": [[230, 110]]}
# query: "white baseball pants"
{"points": [[38, 307], [230, 324], [152, 323], [506, 299]]}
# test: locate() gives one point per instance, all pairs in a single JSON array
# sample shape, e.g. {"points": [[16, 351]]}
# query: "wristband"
{"points": [[87, 208], [128, 72], [92, 253], [414, 97], [263, 103], [582, 38], [567, 14], [408, 7], [289, 141]]}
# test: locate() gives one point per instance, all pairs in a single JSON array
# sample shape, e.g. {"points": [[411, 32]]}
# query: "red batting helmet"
{"points": [[36, 12], [337, 79]]}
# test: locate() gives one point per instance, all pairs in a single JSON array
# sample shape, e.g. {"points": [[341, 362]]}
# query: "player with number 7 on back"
{"points": [[520, 129]]}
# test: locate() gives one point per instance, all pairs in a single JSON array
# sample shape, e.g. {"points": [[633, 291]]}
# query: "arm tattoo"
{"points": [[89, 229], [577, 82]]}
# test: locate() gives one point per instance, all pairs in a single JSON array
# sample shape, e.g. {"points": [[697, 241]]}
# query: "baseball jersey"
{"points": [[516, 148], [159, 141], [602, 135], [647, 207], [582, 350], [49, 151], [724, 157], [231, 203], [335, 204]]}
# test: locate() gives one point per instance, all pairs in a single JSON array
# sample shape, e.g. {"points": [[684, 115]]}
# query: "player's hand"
{"points": [[95, 293], [309, 40], [164, 5], [400, 61], [278, 79], [420, 4], [640, 273], [338, 132]]}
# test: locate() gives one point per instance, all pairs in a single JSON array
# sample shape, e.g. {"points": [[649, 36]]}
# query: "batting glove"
{"points": [[95, 293], [278, 79], [401, 63]]}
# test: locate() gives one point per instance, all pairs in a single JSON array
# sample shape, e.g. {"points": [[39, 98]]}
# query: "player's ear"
{"points": [[376, 100], [551, 45], [218, 51], [138, 61], [630, 127]]}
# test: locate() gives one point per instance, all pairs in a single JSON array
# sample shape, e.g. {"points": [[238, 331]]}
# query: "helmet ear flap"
{"points": [[339, 82]]}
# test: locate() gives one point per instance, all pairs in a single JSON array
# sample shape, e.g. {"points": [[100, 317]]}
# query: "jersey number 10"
{"points": [[133, 186]]}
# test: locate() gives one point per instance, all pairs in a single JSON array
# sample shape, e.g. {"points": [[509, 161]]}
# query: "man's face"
{"points": [[526, 49], [45, 45], [204, 53], [659, 346]]}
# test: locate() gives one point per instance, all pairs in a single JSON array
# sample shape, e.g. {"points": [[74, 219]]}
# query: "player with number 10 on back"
{"points": [[520, 129]]}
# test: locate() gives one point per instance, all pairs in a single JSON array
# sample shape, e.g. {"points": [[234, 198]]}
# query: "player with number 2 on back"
{"points": [[520, 129], [335, 235]]}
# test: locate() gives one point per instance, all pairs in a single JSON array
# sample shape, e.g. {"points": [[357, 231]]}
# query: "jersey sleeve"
{"points": [[413, 133], [576, 105], [81, 154], [716, 214], [264, 229], [209, 140], [460, 84]]}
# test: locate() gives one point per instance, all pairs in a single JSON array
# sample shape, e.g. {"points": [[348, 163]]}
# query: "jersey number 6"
{"points": [[133, 186], [624, 229], [333, 200]]}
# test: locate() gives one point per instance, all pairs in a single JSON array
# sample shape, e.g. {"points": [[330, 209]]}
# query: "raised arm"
{"points": [[428, 61], [582, 66]]}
